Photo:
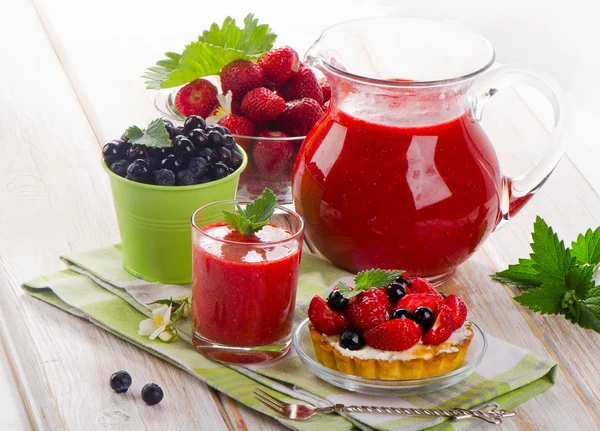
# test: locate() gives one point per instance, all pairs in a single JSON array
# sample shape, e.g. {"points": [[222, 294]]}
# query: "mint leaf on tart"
{"points": [[559, 280], [155, 135], [256, 215], [366, 280], [214, 49]]}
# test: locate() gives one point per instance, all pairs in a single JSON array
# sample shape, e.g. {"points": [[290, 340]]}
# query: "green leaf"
{"points": [[579, 280], [551, 259], [155, 136], [589, 310], [214, 49], [345, 290], [375, 278], [546, 299], [162, 302], [521, 274], [587, 248], [256, 215]]}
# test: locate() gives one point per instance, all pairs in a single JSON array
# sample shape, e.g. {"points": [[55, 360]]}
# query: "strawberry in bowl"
{"points": [[389, 327], [262, 94]]}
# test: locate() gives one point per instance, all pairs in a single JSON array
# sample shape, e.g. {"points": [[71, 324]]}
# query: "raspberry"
{"points": [[272, 157], [199, 97], [324, 319], [326, 89], [241, 76], [420, 285], [458, 309], [369, 309], [262, 105], [396, 335], [414, 300], [299, 116], [279, 64], [303, 84], [442, 327], [238, 125]]}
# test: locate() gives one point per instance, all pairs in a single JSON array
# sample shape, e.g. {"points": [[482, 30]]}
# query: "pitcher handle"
{"points": [[517, 191]]}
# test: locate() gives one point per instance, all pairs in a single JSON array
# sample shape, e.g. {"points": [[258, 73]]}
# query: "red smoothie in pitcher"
{"points": [[418, 198], [244, 286]]}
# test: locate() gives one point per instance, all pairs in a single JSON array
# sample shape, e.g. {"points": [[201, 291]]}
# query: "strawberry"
{"points": [[199, 97], [396, 335], [262, 105], [326, 89], [420, 285], [414, 300], [303, 84], [442, 327], [279, 64], [458, 309], [369, 309], [324, 319], [238, 125], [299, 116], [272, 157], [241, 76]]}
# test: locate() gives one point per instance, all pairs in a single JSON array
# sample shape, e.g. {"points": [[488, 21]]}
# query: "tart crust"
{"points": [[429, 360]]}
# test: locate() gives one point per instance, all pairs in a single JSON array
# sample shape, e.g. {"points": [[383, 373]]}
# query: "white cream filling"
{"points": [[419, 350]]}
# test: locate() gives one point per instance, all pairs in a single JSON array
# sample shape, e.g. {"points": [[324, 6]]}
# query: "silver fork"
{"points": [[491, 413]]}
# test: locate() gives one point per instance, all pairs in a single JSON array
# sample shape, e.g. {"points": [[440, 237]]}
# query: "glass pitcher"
{"points": [[399, 172]]}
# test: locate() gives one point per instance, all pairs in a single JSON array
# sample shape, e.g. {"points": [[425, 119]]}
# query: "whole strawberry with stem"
{"points": [[199, 97], [241, 76], [279, 64]]}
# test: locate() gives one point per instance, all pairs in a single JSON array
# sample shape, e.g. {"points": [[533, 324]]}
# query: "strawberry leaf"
{"points": [[214, 49], [155, 136]]}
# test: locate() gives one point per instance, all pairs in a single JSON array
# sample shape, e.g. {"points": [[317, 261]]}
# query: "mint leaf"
{"points": [[546, 299], [551, 259], [587, 248], [579, 280], [589, 310], [368, 279], [214, 49], [521, 274], [255, 216], [155, 136], [345, 290]]}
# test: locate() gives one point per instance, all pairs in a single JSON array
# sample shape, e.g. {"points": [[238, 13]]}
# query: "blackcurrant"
{"points": [[336, 301], [401, 313], [120, 381], [403, 280], [172, 163], [424, 317], [198, 138], [207, 154], [236, 160], [229, 141], [218, 170], [152, 394], [139, 171], [110, 153], [183, 147], [197, 166], [223, 155], [352, 339], [215, 139], [193, 122], [120, 167], [164, 177], [185, 178], [136, 152], [395, 291]]}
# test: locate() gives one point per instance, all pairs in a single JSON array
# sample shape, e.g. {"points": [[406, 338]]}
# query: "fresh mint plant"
{"points": [[155, 135], [366, 280], [256, 215], [558, 279]]}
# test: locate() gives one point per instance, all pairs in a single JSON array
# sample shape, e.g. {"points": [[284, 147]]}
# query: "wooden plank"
{"points": [[55, 198], [14, 414]]}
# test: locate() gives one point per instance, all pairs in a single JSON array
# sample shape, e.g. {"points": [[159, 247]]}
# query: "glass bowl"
{"points": [[262, 170], [304, 347]]}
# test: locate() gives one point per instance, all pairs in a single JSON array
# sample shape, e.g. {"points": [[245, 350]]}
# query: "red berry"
{"points": [[420, 285], [303, 84], [326, 89], [324, 319], [272, 157], [396, 335], [442, 327], [199, 97], [262, 105], [279, 64], [241, 76], [299, 116], [238, 125], [414, 300], [458, 309], [368, 310]]}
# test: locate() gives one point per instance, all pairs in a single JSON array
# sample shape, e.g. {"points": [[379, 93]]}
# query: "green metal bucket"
{"points": [[154, 223]]}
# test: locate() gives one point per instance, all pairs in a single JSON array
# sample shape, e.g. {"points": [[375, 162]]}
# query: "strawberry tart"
{"points": [[389, 327]]}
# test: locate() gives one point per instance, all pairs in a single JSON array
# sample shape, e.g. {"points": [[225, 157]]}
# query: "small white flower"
{"points": [[158, 326], [221, 111]]}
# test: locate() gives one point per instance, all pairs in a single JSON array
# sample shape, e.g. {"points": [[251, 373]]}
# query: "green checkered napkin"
{"points": [[97, 287]]}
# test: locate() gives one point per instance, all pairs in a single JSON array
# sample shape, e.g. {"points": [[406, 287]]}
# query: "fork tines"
{"points": [[269, 400]]}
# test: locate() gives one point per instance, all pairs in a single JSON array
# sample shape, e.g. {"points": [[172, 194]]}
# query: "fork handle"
{"points": [[491, 413]]}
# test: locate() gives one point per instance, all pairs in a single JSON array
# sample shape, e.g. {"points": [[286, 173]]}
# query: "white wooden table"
{"points": [[69, 82]]}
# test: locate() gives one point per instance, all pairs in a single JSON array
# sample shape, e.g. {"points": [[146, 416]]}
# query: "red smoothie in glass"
{"points": [[244, 289], [418, 198]]}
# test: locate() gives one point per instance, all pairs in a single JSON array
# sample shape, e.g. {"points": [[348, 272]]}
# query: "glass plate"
{"points": [[304, 348], [165, 103]]}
